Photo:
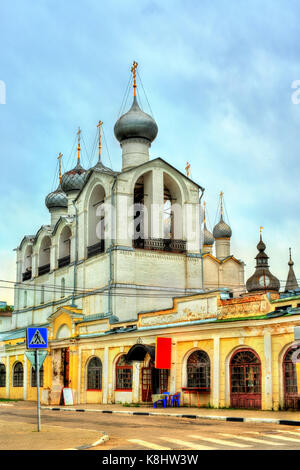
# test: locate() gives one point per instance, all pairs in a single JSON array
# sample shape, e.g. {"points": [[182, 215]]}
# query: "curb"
{"points": [[286, 422]]}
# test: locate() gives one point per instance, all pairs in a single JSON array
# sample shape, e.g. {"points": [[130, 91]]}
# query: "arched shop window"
{"points": [[123, 374], [198, 370], [33, 377], [94, 374], [2, 375], [18, 375]]}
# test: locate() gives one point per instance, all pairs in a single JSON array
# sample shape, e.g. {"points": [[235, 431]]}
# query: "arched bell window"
{"points": [[44, 256], [123, 374], [64, 252], [96, 222], [198, 371], [94, 374], [27, 264]]}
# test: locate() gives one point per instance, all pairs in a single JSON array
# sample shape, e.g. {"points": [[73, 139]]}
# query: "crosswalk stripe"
{"points": [[282, 438], [219, 441], [252, 439], [191, 445], [149, 445], [291, 432]]}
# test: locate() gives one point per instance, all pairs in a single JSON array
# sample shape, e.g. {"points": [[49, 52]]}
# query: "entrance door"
{"points": [[146, 384], [291, 398], [245, 379], [65, 359], [154, 381]]}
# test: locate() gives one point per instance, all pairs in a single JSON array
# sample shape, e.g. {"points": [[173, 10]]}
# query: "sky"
{"points": [[219, 78]]}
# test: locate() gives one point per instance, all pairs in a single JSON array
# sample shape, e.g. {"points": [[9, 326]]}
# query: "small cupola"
{"points": [[262, 280], [135, 130]]}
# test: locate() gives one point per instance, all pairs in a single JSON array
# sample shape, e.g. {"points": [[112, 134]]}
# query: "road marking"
{"points": [[291, 432], [191, 445], [149, 445], [219, 441], [282, 438], [252, 439]]}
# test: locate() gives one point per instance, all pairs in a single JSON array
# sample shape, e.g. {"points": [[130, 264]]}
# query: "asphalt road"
{"points": [[128, 432]]}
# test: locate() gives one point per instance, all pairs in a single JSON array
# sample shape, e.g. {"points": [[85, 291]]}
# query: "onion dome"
{"points": [[208, 237], [73, 180], [56, 199], [222, 230], [135, 124], [262, 280]]}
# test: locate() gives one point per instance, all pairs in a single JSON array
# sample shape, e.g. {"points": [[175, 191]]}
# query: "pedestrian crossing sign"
{"points": [[37, 338]]}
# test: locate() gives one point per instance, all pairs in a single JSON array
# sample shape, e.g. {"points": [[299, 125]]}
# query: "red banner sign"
{"points": [[163, 352]]}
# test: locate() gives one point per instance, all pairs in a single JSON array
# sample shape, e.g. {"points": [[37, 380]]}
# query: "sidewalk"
{"points": [[276, 417], [24, 436]]}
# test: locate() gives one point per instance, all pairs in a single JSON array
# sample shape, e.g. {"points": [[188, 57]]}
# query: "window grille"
{"points": [[198, 370], [123, 374], [2, 375], [33, 377], [245, 373], [94, 374], [18, 375]]}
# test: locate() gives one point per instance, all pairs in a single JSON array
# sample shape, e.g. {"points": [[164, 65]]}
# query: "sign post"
{"points": [[37, 339]]}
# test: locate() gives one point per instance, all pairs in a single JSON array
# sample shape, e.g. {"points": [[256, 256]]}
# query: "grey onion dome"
{"points": [[222, 230], [56, 199], [73, 180], [208, 237], [135, 123]]}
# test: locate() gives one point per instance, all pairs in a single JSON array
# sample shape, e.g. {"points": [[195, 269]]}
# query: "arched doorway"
{"points": [[245, 380], [291, 397]]}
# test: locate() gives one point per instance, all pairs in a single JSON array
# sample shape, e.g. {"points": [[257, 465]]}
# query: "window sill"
{"points": [[94, 389], [123, 390]]}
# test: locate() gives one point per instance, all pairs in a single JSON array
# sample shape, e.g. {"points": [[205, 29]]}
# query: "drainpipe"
{"points": [[201, 251], [76, 257], [111, 246]]}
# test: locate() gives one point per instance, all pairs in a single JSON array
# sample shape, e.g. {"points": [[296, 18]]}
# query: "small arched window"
{"points": [[33, 377], [123, 374], [94, 374], [18, 375], [198, 370], [2, 375]]}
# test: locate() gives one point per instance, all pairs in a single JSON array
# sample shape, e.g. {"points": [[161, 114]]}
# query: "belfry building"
{"points": [[125, 259]]}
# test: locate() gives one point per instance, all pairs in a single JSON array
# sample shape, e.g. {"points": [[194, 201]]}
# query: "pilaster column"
{"points": [[268, 371], [136, 367], [157, 204], [25, 377], [173, 368], [105, 376], [7, 376], [216, 372]]}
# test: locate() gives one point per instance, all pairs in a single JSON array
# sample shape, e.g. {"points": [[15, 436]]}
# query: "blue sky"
{"points": [[218, 76]]}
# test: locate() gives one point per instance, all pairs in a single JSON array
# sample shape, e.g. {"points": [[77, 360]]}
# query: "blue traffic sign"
{"points": [[37, 338]]}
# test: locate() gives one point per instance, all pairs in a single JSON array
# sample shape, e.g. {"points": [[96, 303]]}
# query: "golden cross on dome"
{"points": [[99, 127], [260, 229], [221, 197], [59, 159], [133, 71], [78, 133], [187, 168], [204, 206]]}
